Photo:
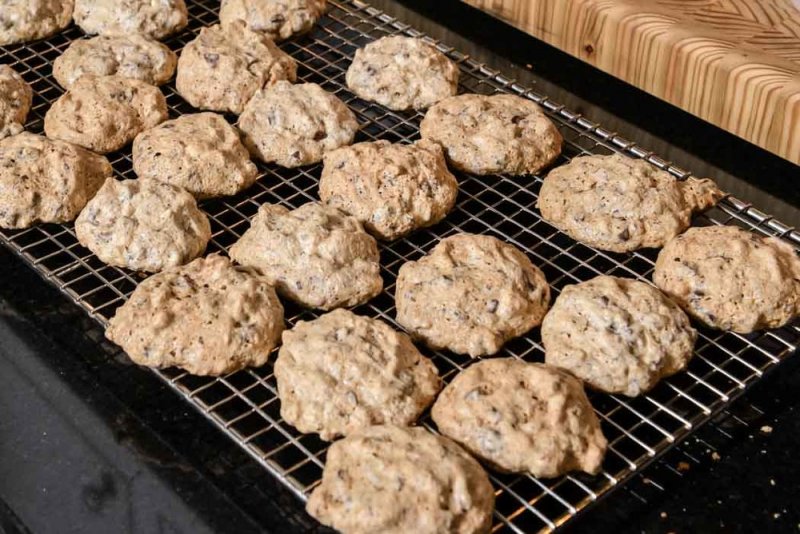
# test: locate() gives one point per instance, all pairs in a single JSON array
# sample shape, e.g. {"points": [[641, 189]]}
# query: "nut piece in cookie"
{"points": [[209, 317], [399, 480], [199, 152], [470, 295], [130, 56], [393, 189], [29, 20], [143, 225], [224, 66], [343, 372], [279, 19], [621, 204], [295, 124], [316, 255], [156, 19], [617, 335], [522, 417], [16, 97], [402, 73], [105, 113], [731, 279], [42, 180], [498, 134]]}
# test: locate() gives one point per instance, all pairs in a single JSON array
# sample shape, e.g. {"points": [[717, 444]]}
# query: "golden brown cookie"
{"points": [[105, 113], [343, 372], [522, 417], [399, 480], [393, 189], [316, 255], [224, 66], [402, 73], [731, 279], [43, 180], [498, 134], [209, 317], [621, 204], [470, 295], [143, 225], [616, 334]]}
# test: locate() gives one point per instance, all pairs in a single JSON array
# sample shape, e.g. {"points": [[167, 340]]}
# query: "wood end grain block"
{"points": [[734, 63]]}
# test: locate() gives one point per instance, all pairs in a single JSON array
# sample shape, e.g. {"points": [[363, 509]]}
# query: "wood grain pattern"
{"points": [[734, 63]]}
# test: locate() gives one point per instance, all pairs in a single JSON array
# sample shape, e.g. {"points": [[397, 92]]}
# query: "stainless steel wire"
{"points": [[245, 406]]}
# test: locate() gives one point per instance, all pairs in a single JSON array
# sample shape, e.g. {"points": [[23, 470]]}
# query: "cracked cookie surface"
{"points": [[731, 279], [199, 152], [105, 113], [224, 66], [621, 204], [470, 295], [344, 372], [522, 417], [157, 19], [397, 480], [402, 73], [143, 225], [498, 134], [209, 317], [315, 255], [29, 20], [130, 56], [617, 334], [45, 180], [279, 19], [393, 189], [16, 97], [295, 124]]}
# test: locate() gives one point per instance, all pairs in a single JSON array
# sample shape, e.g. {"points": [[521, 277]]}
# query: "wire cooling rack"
{"points": [[245, 406]]}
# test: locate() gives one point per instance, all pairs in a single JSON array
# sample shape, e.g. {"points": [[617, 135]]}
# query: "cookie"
{"points": [[294, 125], [731, 279], [279, 19], [617, 335], [199, 152], [29, 20], [522, 417], [498, 134], [398, 480], [130, 56], [156, 19], [343, 372], [224, 66], [470, 295], [393, 189], [16, 97], [315, 255], [621, 204], [402, 73], [143, 225], [42, 180], [209, 317], [105, 113]]}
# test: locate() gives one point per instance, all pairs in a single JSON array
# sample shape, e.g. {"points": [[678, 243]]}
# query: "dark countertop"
{"points": [[91, 443]]}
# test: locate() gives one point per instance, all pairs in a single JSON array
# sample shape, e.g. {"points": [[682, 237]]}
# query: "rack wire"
{"points": [[245, 406]]}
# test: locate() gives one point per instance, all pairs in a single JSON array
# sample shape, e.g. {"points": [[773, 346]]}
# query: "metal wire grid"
{"points": [[245, 404]]}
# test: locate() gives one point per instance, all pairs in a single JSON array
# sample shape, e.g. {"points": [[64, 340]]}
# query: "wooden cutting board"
{"points": [[734, 63]]}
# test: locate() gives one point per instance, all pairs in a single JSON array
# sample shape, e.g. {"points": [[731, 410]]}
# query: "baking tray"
{"points": [[244, 405]]}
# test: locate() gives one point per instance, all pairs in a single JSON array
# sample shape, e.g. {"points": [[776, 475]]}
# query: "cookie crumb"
{"points": [[715, 456], [683, 466], [766, 429]]}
